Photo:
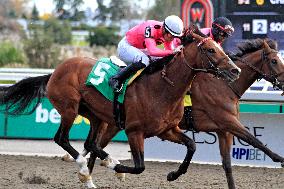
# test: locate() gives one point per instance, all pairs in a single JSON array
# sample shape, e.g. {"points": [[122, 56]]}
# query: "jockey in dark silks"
{"points": [[221, 29]]}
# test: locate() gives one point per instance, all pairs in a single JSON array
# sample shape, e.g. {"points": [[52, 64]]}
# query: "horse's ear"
{"points": [[191, 27], [196, 36], [265, 45]]}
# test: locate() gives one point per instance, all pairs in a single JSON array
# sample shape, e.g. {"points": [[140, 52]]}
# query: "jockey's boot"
{"points": [[117, 80]]}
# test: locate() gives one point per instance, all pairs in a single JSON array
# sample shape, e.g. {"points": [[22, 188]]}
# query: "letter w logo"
{"points": [[197, 14]]}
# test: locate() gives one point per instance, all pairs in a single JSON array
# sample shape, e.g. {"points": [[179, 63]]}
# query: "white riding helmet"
{"points": [[174, 25]]}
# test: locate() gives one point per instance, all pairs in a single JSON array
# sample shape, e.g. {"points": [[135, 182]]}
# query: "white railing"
{"points": [[17, 74]]}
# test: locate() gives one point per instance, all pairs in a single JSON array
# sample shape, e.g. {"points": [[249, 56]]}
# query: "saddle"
{"points": [[115, 60], [118, 108]]}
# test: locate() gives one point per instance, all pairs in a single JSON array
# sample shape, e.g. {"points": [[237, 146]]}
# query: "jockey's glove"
{"points": [[177, 49]]}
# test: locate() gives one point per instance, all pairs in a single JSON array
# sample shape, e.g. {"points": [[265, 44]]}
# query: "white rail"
{"points": [[17, 74]]}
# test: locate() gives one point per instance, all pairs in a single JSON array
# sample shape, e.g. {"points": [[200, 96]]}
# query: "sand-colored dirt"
{"points": [[24, 172]]}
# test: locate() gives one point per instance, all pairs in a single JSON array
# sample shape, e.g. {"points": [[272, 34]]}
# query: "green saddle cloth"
{"points": [[99, 76]]}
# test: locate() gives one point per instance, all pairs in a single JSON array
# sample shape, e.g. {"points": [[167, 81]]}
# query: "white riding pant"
{"points": [[130, 54]]}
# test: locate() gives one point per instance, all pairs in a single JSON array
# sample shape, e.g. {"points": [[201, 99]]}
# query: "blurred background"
{"points": [[41, 34]]}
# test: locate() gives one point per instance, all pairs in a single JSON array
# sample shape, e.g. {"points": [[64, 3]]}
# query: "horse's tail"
{"points": [[15, 99]]}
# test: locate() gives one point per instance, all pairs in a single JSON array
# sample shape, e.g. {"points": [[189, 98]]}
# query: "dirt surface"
{"points": [[24, 172]]}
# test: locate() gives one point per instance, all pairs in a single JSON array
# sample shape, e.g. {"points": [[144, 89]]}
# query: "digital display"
{"points": [[259, 26], [254, 19], [255, 6], [256, 26]]}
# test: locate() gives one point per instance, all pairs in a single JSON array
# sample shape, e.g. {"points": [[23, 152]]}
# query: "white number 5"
{"points": [[100, 73], [148, 32]]}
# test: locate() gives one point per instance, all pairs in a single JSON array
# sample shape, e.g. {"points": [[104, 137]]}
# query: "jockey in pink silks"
{"points": [[141, 41]]}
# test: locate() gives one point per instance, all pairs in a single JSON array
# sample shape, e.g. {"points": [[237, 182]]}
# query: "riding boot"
{"points": [[189, 122], [117, 80]]}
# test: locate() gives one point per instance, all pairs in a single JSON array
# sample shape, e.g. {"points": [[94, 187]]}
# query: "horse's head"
{"points": [[211, 57], [262, 57], [273, 65]]}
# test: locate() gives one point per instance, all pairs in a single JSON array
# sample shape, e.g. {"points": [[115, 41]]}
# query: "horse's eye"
{"points": [[274, 62], [211, 50]]}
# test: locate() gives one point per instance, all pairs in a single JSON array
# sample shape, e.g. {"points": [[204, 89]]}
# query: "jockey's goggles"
{"points": [[227, 29]]}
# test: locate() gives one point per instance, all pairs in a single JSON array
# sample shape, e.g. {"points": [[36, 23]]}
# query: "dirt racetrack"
{"points": [[24, 172]]}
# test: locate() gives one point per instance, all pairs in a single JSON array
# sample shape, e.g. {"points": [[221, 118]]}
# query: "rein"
{"points": [[234, 90]]}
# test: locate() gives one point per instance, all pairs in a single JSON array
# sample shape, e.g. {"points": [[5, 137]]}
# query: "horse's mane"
{"points": [[158, 64], [253, 45], [187, 38]]}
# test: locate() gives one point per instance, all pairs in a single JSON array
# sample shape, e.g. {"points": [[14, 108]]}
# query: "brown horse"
{"points": [[213, 112], [67, 91]]}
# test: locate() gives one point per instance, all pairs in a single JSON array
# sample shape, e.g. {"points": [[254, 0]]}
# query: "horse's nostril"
{"points": [[235, 71]]}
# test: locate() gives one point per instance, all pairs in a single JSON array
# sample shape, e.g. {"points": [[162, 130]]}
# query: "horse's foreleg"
{"points": [[93, 142], [177, 136], [94, 121], [225, 143], [136, 142], [96, 127], [237, 129], [104, 135], [62, 139], [69, 158], [88, 145]]}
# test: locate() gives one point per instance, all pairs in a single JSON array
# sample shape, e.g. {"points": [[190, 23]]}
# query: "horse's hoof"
{"points": [[109, 162], [67, 158], [84, 178], [120, 176], [172, 176], [90, 184], [104, 163]]}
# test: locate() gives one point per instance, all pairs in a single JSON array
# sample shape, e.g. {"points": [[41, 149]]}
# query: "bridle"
{"points": [[213, 69], [272, 77]]}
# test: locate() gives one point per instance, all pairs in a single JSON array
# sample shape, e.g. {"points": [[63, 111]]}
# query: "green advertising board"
{"points": [[45, 120], [43, 124], [2, 125], [260, 108]]}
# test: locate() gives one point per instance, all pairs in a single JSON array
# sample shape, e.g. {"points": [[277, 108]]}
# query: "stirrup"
{"points": [[115, 85], [119, 90]]}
